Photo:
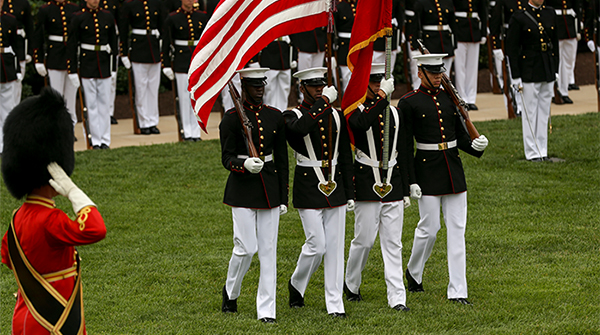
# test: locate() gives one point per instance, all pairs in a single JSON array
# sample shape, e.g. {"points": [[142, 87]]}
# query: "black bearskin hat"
{"points": [[37, 132]]}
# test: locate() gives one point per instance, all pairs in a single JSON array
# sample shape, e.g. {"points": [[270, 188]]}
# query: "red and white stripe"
{"points": [[236, 32]]}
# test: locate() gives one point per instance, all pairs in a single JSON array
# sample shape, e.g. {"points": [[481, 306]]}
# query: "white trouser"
{"points": [[189, 122], [97, 100], [454, 207], [255, 230], [226, 96], [19, 84], [346, 75], [385, 218], [379, 57], [324, 230], [147, 81], [516, 94], [59, 80], [448, 65], [277, 90], [567, 51], [466, 65], [414, 69], [537, 98], [7, 103], [113, 90]]}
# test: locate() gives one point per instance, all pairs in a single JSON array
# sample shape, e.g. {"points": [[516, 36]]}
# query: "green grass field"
{"points": [[533, 246]]}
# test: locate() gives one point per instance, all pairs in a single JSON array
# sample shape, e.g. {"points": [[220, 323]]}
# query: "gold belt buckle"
{"points": [[440, 28], [544, 47], [262, 158], [443, 146], [325, 164], [470, 15], [191, 43], [564, 12], [97, 47], [65, 38]]}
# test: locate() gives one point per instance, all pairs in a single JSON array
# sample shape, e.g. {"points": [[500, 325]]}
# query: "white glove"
{"points": [[406, 202], [126, 62], [415, 191], [331, 93], [294, 64], [282, 209], [65, 187], [498, 55], [350, 206], [41, 69], [483, 40], [591, 45], [19, 76], [480, 143], [402, 38], [169, 73], [28, 59], [517, 83], [578, 37], [253, 164], [387, 86], [74, 78]]}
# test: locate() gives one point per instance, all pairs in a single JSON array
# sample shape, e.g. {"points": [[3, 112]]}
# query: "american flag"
{"points": [[235, 33]]}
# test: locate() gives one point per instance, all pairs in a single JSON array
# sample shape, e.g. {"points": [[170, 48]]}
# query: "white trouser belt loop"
{"points": [[565, 12], [7, 50], [436, 27], [436, 146], [154, 32], [21, 32], [409, 12], [265, 159], [343, 34], [304, 161], [186, 43], [56, 38], [362, 158], [467, 15], [96, 47]]}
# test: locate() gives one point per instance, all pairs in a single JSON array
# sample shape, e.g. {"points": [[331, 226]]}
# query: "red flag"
{"points": [[373, 20], [235, 33]]}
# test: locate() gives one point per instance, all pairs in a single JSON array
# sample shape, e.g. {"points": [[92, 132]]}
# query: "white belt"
{"points": [[21, 32], [7, 50], [96, 47], [343, 34], [436, 146], [565, 12], [304, 161], [154, 32], [56, 38], [467, 14], [362, 158], [265, 159], [186, 43], [408, 12], [436, 27]]}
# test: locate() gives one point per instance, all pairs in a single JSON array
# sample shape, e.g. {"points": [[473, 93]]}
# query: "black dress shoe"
{"points": [[351, 296], [472, 107], [573, 87], [268, 320], [567, 100], [96, 147], [113, 120], [145, 131], [104, 146], [197, 139], [296, 299], [228, 306], [401, 308], [338, 315], [413, 286], [462, 301], [154, 130], [536, 160]]}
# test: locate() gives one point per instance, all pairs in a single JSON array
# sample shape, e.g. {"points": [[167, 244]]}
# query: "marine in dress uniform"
{"points": [[321, 193], [471, 30], [436, 26], [378, 209], [226, 99], [92, 31], [278, 57], [436, 175], [568, 17], [49, 43], [379, 44], [183, 28], [21, 10], [37, 160], [140, 51], [256, 190], [344, 20], [531, 47], [10, 75]]}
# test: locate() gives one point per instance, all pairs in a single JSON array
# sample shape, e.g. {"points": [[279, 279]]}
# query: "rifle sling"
{"points": [[44, 302]]}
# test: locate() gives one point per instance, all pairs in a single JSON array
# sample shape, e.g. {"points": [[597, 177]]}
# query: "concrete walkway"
{"points": [[491, 107]]}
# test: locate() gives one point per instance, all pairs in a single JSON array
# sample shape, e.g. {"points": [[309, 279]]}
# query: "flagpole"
{"points": [[329, 83], [386, 127]]}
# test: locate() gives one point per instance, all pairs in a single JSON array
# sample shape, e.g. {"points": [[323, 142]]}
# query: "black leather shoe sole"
{"points": [[567, 100], [412, 284], [154, 130], [145, 131], [296, 299], [268, 320], [401, 308], [228, 306], [338, 315], [351, 296], [462, 301]]}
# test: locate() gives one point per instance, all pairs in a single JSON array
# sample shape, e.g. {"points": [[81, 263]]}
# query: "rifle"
{"points": [[507, 90], [495, 85], [406, 60], [246, 124], [176, 110], [136, 124], [456, 98], [85, 120]]}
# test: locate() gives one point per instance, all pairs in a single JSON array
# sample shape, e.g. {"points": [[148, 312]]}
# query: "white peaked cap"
{"points": [[253, 72], [313, 73], [378, 68], [430, 59]]}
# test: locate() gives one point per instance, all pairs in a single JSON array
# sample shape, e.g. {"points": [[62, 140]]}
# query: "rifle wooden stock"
{"points": [[176, 110], [506, 88], [85, 120], [456, 99], [136, 125], [246, 125]]}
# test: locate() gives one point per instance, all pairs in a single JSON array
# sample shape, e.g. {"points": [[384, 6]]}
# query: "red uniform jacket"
{"points": [[48, 238]]}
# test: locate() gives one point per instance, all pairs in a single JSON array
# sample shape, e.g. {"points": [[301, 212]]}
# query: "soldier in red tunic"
{"points": [[39, 245]]}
